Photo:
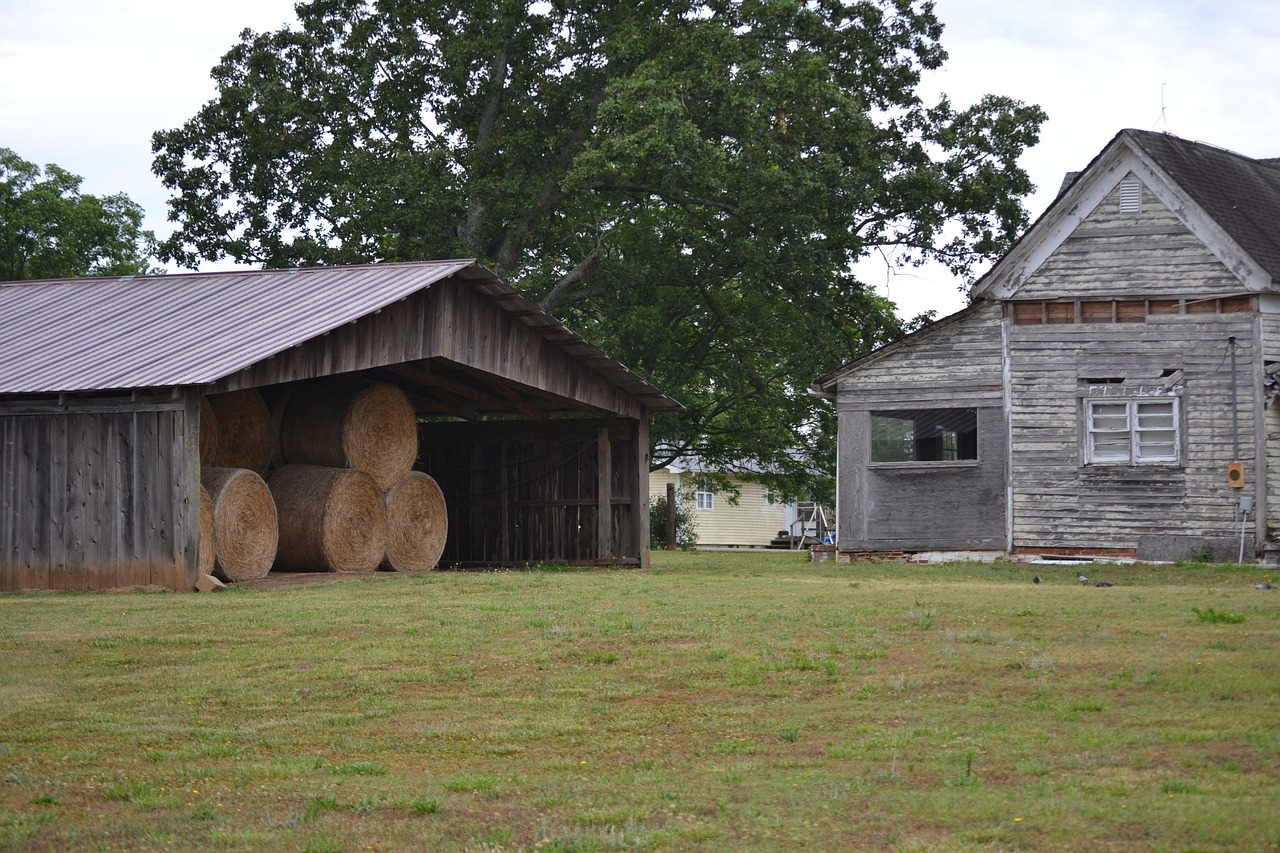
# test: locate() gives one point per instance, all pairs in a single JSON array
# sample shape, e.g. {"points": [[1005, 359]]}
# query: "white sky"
{"points": [[84, 83]]}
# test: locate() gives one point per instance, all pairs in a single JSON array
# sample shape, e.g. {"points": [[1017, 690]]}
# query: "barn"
{"points": [[538, 440]]}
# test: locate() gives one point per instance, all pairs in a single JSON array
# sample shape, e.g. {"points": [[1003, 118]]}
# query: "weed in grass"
{"points": [[790, 734], [140, 794], [317, 806], [204, 811], [43, 800], [1214, 616], [602, 657], [472, 784], [323, 845], [1179, 788], [362, 768], [424, 807]]}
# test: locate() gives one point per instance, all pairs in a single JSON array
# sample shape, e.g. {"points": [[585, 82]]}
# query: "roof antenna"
{"points": [[1162, 115]]}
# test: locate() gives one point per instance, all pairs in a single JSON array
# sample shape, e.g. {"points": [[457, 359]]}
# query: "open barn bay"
{"points": [[713, 702]]}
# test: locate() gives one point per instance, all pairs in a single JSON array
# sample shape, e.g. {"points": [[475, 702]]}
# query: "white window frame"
{"points": [[1119, 432], [704, 500]]}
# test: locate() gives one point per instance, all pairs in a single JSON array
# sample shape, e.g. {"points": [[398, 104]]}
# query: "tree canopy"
{"points": [[49, 229], [686, 182]]}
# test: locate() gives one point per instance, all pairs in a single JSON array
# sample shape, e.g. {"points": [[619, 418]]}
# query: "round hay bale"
{"points": [[244, 430], [331, 519], [369, 427], [417, 524], [208, 434], [208, 531], [277, 400], [245, 525]]}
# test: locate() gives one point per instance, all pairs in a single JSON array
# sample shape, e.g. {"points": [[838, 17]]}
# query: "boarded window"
{"points": [[1060, 312], [1132, 431], [1130, 196], [924, 435]]}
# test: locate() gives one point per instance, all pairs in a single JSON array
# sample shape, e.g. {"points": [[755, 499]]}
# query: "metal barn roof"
{"points": [[89, 334]]}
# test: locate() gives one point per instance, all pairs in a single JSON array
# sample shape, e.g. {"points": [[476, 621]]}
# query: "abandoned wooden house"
{"points": [[1109, 390], [538, 439]]}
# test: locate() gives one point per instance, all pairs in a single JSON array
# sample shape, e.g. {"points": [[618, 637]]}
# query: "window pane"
{"points": [[1155, 415], [1111, 447], [924, 435], [1110, 416]]}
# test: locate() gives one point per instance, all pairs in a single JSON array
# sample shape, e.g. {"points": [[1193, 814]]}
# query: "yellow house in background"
{"points": [[754, 521]]}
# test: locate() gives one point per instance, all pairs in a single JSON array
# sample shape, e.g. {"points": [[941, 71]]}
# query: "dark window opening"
{"points": [[924, 435]]}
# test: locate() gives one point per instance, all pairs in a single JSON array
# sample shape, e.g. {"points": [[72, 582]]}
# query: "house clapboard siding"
{"points": [[754, 521]]}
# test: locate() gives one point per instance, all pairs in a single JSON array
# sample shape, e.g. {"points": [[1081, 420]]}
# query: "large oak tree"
{"points": [[687, 182]]}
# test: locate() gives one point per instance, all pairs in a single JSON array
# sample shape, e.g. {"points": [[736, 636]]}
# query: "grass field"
{"points": [[714, 702]]}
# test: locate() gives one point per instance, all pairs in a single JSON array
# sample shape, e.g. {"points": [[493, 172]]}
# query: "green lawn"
{"points": [[713, 702]]}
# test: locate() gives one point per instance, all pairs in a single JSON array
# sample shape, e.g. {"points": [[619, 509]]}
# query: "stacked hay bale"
{"points": [[245, 526], [416, 524], [238, 532], [331, 519], [368, 431], [343, 495]]}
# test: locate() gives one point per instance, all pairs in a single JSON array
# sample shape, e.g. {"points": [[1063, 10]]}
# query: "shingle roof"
{"points": [[91, 334], [1240, 193]]}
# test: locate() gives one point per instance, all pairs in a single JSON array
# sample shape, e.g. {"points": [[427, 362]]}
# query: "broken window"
{"points": [[924, 435]]}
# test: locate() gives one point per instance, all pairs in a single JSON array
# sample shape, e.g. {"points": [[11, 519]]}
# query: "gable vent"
{"points": [[1130, 196]]}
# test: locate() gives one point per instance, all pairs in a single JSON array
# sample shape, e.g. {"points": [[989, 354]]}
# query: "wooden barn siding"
{"points": [[1059, 502], [447, 320], [915, 508], [753, 522], [1130, 255], [523, 492], [95, 495]]}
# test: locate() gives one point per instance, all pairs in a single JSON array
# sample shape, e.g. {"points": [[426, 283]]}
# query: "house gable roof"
{"points": [[1230, 202], [93, 334]]}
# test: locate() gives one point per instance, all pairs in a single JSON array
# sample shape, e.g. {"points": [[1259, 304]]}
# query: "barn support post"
{"points": [[640, 489], [186, 574], [606, 546]]}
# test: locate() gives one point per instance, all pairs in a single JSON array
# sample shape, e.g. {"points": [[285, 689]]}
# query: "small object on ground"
{"points": [[1084, 581], [1265, 586], [1036, 579], [1104, 583]]}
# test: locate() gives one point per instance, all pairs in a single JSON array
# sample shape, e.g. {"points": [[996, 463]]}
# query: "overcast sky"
{"points": [[84, 83]]}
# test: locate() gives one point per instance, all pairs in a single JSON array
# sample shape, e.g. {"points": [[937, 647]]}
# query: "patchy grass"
{"points": [[716, 701]]}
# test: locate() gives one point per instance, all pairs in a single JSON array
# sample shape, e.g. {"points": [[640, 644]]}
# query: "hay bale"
{"points": [[416, 524], [331, 519], [277, 399], [208, 531], [244, 430], [208, 434], [245, 525], [342, 424]]}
